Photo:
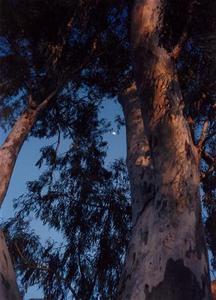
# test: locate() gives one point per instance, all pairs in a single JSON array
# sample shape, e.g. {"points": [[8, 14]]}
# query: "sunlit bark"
{"points": [[8, 154], [138, 151], [171, 261], [11, 147], [213, 289]]}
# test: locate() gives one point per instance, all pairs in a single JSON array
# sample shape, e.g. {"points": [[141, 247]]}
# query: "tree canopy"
{"points": [[81, 51], [85, 201]]}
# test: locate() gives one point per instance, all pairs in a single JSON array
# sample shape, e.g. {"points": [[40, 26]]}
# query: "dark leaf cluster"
{"points": [[83, 48], [87, 203]]}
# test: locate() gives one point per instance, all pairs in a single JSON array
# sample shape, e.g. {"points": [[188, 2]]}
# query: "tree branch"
{"points": [[208, 158], [178, 48], [31, 103], [203, 135], [80, 266], [209, 137], [46, 101], [28, 263]]}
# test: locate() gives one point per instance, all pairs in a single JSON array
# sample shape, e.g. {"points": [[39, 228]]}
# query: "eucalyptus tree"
{"points": [[169, 155], [167, 257], [83, 200], [32, 47], [43, 47], [27, 87]]}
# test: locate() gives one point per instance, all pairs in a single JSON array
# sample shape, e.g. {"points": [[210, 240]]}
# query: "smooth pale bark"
{"points": [[10, 149], [171, 263], [138, 152], [139, 164], [8, 154]]}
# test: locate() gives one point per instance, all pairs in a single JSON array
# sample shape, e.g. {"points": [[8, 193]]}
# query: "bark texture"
{"points": [[10, 149], [213, 289], [138, 152], [171, 262], [8, 154], [8, 286]]}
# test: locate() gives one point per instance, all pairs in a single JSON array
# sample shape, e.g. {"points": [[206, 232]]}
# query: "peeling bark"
{"points": [[171, 261]]}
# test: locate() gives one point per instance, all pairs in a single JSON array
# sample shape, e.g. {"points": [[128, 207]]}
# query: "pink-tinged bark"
{"points": [[213, 289], [8, 154], [10, 149], [8, 286], [170, 262], [138, 152]]}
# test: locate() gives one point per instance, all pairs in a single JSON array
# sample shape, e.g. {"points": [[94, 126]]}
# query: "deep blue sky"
{"points": [[26, 170]]}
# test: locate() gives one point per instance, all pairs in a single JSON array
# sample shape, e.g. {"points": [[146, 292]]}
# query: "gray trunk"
{"points": [[170, 263]]}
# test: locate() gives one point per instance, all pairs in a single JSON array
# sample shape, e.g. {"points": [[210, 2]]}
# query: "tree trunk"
{"points": [[8, 286], [213, 289], [10, 149], [8, 155], [138, 152], [171, 263]]}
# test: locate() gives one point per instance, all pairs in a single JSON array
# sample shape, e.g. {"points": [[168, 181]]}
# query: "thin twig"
{"points": [[178, 48], [209, 137], [208, 158], [203, 134]]}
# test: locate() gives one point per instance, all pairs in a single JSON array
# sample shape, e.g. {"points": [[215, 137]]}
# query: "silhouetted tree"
{"points": [[170, 123], [87, 203], [44, 48]]}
